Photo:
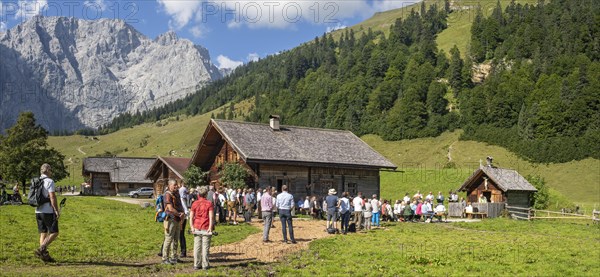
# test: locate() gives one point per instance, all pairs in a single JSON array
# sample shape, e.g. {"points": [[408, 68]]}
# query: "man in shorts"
{"points": [[47, 215], [232, 205]]}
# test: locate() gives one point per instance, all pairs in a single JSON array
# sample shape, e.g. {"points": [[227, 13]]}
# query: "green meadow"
{"points": [[493, 247], [97, 237], [100, 237]]}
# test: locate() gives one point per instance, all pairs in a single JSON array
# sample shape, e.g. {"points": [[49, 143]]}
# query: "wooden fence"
{"points": [[490, 209], [531, 214]]}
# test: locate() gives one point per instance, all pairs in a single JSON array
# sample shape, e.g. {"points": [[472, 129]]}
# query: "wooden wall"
{"points": [[101, 184], [297, 177], [321, 178], [497, 196], [518, 199], [160, 178]]}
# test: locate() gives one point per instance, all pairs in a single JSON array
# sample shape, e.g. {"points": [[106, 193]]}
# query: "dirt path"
{"points": [[137, 201], [253, 249]]}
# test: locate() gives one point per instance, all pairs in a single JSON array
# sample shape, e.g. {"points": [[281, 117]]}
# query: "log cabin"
{"points": [[165, 168], [116, 175], [500, 186], [309, 161]]}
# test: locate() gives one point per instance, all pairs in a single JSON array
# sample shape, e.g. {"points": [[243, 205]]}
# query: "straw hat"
{"points": [[332, 191]]}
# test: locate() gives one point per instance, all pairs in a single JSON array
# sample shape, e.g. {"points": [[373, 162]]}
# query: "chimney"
{"points": [[489, 160], [274, 122]]}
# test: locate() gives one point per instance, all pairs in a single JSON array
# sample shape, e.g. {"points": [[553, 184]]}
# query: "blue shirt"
{"points": [[332, 201], [285, 201]]}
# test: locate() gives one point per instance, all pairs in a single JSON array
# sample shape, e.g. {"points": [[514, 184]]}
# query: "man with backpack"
{"points": [[46, 213], [172, 223]]}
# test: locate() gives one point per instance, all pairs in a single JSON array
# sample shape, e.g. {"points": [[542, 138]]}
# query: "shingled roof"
{"points": [[177, 165], [120, 169], [256, 142], [506, 179]]}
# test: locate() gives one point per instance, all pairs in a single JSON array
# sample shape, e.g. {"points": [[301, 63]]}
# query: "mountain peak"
{"points": [[167, 38], [87, 72]]}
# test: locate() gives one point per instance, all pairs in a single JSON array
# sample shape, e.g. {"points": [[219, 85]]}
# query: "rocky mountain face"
{"points": [[73, 73]]}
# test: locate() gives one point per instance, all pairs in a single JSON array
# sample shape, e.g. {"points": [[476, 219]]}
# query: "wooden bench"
{"points": [[474, 214]]}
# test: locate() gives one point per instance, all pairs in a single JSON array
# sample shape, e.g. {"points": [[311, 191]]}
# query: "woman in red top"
{"points": [[202, 223]]}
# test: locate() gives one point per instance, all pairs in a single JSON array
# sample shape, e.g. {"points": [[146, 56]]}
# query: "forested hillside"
{"points": [[541, 98]]}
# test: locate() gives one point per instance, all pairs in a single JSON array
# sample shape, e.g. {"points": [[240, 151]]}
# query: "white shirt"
{"points": [[357, 202], [406, 199], [49, 187], [183, 195], [231, 195], [344, 205], [306, 204], [439, 209], [375, 205], [222, 199]]}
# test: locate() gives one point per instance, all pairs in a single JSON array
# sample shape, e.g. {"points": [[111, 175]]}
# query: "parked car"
{"points": [[145, 191]]}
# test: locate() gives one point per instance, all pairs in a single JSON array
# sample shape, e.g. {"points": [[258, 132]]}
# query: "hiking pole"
{"points": [[62, 204]]}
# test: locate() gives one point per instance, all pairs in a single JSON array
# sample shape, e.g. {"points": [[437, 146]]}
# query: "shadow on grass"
{"points": [[103, 263]]}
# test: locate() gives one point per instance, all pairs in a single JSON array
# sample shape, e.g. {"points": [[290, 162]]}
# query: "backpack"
{"points": [[161, 214], [36, 196]]}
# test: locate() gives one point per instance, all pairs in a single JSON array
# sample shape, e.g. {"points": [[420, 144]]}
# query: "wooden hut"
{"points": [[500, 187], [165, 168], [116, 175], [309, 161]]}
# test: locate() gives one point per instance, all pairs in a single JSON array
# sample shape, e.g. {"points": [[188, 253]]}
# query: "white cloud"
{"points": [[30, 8], [279, 14], [253, 57], [335, 27], [181, 11], [225, 62], [198, 31], [99, 4]]}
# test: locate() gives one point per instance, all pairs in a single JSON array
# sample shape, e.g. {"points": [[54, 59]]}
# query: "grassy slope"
{"points": [[181, 136], [459, 22], [423, 161]]}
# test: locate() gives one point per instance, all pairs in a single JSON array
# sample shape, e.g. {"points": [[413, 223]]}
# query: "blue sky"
{"points": [[234, 32]]}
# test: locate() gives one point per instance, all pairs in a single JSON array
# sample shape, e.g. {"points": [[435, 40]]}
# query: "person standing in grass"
{"points": [[332, 204], [172, 223], [358, 204], [345, 211], [183, 195], [232, 205], [367, 213], [47, 215], [375, 206], [285, 204], [202, 223], [266, 205]]}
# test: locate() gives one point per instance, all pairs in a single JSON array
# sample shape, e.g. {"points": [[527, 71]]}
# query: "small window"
{"points": [[352, 188], [131, 186]]}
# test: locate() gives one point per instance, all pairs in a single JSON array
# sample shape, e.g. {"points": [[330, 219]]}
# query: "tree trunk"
{"points": [[23, 183]]}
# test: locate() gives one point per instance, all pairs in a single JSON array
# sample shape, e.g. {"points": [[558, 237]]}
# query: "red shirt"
{"points": [[201, 209]]}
